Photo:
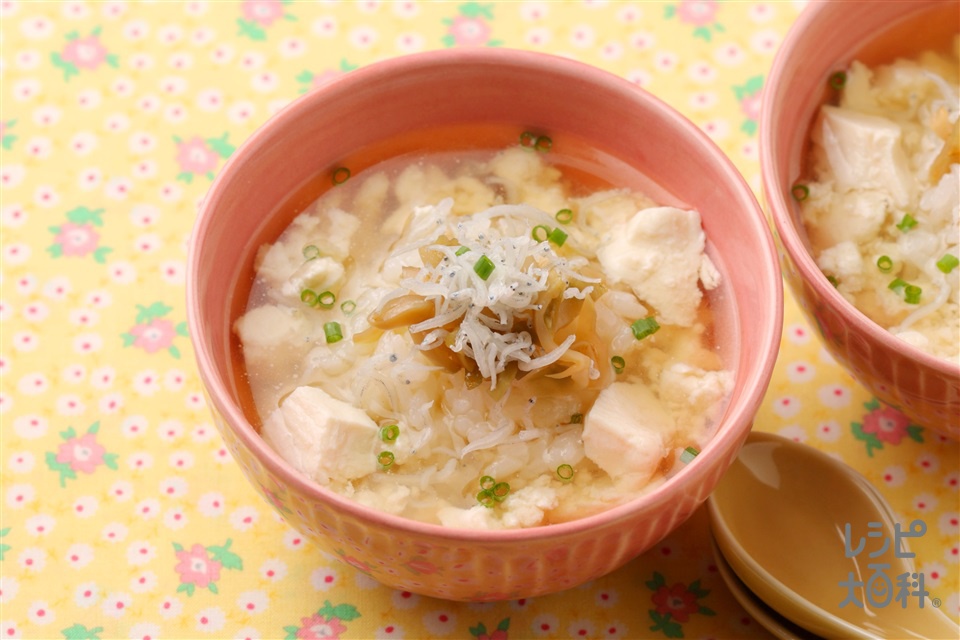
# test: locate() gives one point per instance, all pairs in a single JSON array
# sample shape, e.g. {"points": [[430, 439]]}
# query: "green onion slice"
{"points": [[487, 482], [543, 143], [644, 327], [326, 300], [483, 267], [348, 306], [564, 216], [558, 236], [308, 297], [948, 263], [527, 139], [885, 264], [618, 363], [389, 433], [333, 332], [907, 222], [565, 472], [540, 233], [838, 80], [311, 251], [385, 459], [462, 250], [800, 192], [486, 498], [897, 285], [341, 175], [576, 418], [911, 294], [833, 280], [500, 491], [688, 454]]}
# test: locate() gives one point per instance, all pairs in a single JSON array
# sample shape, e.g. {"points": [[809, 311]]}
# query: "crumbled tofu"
{"points": [[842, 260], [624, 433], [694, 395], [322, 437], [336, 232], [270, 327], [391, 498], [525, 507], [658, 253], [475, 518], [320, 274], [865, 152]]}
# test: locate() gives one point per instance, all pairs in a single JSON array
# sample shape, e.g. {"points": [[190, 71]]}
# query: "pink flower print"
{"points": [[316, 627], [469, 32], [82, 52], [884, 425], [194, 156], [77, 239], [471, 27], [197, 567], [156, 335], [750, 106], [199, 156], [697, 12], [702, 14], [263, 12], [887, 423], [79, 453], [85, 53], [82, 453]]}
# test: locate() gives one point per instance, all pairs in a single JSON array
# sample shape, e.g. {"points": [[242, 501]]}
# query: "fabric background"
{"points": [[123, 516]]}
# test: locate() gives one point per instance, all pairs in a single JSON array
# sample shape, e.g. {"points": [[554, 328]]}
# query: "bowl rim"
{"points": [[782, 211], [740, 412]]}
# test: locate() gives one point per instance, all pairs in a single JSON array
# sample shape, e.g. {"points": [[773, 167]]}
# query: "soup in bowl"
{"points": [[484, 324], [860, 171]]}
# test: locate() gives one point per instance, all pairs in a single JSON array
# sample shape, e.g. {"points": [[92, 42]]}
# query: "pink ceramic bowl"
{"points": [[825, 39], [551, 94]]}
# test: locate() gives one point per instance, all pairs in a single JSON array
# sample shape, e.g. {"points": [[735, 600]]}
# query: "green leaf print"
{"points": [[94, 428], [221, 146], [182, 330], [100, 254], [69, 433], [174, 351], [185, 176], [915, 433], [346, 612], [251, 29], [657, 581], [4, 547], [187, 587], [69, 69], [665, 623], [55, 250], [870, 439], [476, 10], [110, 459], [291, 632], [155, 310], [80, 632], [703, 33], [83, 215], [223, 555], [62, 468]]}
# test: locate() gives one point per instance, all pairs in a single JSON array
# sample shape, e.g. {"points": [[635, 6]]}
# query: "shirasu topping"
{"points": [[490, 319]]}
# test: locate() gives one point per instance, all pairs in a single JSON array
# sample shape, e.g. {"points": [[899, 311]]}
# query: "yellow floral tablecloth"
{"points": [[123, 516]]}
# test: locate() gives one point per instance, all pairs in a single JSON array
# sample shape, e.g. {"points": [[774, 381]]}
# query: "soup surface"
{"points": [[882, 207], [485, 339]]}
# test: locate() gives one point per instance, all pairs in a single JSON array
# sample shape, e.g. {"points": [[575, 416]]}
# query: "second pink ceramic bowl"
{"points": [[476, 87], [825, 39]]}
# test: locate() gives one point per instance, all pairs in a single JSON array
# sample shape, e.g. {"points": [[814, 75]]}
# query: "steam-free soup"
{"points": [[477, 340], [883, 208]]}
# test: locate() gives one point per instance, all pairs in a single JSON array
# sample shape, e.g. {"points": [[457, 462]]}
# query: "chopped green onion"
{"points": [[897, 285], [911, 294], [333, 332], [540, 233], [838, 80], [500, 491], [385, 459], [907, 222], [311, 251], [483, 267], [389, 432], [543, 143], [486, 498], [644, 327], [348, 306], [948, 263], [341, 175], [527, 139], [688, 454], [576, 418], [885, 263], [558, 236], [326, 300], [565, 472], [618, 364], [462, 250], [564, 216], [833, 280], [308, 297], [800, 192], [487, 482]]}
